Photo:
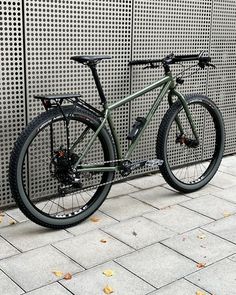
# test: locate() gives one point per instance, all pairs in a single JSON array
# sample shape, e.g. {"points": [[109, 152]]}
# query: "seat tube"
{"points": [[98, 83]]}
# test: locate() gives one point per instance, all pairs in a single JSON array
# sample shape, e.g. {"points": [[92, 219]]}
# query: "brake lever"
{"points": [[211, 65], [202, 65]]}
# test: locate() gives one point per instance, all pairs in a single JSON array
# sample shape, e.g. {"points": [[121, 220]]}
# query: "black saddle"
{"points": [[89, 59]]}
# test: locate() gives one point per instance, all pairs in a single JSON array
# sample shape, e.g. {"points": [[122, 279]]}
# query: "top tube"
{"points": [[154, 85]]}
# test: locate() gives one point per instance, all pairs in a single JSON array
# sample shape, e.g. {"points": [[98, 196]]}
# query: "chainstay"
{"points": [[95, 186], [104, 183]]}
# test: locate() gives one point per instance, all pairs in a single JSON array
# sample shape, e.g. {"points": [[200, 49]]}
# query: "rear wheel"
{"points": [[41, 179], [188, 166]]}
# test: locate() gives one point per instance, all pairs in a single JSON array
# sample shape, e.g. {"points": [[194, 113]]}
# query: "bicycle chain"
{"points": [[104, 183], [101, 184]]}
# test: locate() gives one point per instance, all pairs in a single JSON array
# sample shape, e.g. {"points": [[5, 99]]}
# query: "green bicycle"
{"points": [[63, 164]]}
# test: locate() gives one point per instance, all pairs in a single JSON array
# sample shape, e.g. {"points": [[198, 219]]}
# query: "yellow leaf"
{"points": [[108, 290], [108, 273], [201, 265], [95, 219], [226, 214], [67, 276], [12, 222], [103, 241], [200, 293], [201, 236], [58, 273], [1, 219], [2, 214]]}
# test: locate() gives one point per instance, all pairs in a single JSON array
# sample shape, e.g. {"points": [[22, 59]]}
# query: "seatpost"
{"points": [[98, 83]]}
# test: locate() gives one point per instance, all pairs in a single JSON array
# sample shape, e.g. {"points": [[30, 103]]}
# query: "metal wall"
{"points": [[38, 37]]}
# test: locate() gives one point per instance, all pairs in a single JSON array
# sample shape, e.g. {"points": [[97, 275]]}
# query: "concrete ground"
{"points": [[145, 239]]}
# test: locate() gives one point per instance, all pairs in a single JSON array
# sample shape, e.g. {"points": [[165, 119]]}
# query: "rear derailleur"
{"points": [[61, 168]]}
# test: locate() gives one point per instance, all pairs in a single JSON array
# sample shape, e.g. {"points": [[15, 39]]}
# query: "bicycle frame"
{"points": [[167, 84]]}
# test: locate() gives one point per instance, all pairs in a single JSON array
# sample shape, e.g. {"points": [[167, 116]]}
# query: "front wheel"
{"points": [[188, 166]]}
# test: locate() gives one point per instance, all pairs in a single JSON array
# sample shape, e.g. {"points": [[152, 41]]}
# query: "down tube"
{"points": [[149, 116]]}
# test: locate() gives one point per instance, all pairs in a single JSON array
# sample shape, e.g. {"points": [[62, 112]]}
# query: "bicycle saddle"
{"points": [[90, 58]]}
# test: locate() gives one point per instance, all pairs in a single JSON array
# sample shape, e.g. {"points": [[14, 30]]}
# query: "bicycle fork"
{"points": [[172, 93]]}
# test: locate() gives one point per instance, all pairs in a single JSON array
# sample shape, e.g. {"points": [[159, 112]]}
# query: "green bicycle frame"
{"points": [[167, 84]]}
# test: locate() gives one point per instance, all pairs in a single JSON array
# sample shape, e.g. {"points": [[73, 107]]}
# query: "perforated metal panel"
{"points": [[222, 80], [12, 101], [55, 30], [160, 28]]}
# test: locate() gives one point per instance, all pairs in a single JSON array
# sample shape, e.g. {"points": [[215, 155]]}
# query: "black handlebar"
{"points": [[172, 59], [144, 61]]}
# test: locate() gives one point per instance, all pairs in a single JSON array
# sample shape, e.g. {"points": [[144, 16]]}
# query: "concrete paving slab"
{"points": [[157, 265], [233, 257], [138, 232], [230, 170], [34, 268], [28, 235], [201, 246], [124, 208], [223, 180], [121, 189], [100, 218], [227, 194], [146, 182], [229, 161], [93, 281], [159, 197], [206, 190], [6, 249], [16, 214], [8, 287], [217, 279], [6, 220], [225, 228], [211, 206], [178, 219], [181, 287], [52, 289], [89, 249]]}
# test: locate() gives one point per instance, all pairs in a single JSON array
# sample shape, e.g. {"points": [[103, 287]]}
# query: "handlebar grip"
{"points": [[144, 61], [139, 62], [179, 58], [205, 59]]}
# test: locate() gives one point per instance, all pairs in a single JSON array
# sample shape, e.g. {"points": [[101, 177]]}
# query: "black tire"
{"points": [[30, 170], [186, 168]]}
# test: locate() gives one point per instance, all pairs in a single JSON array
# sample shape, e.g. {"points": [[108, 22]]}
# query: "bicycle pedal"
{"points": [[154, 163]]}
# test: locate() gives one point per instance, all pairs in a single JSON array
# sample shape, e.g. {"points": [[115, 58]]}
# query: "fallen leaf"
{"points": [[202, 246], [58, 273], [2, 214], [226, 214], [201, 265], [1, 219], [95, 219], [67, 276], [134, 233], [12, 222], [108, 273], [201, 236], [200, 293], [108, 290], [103, 241]]}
